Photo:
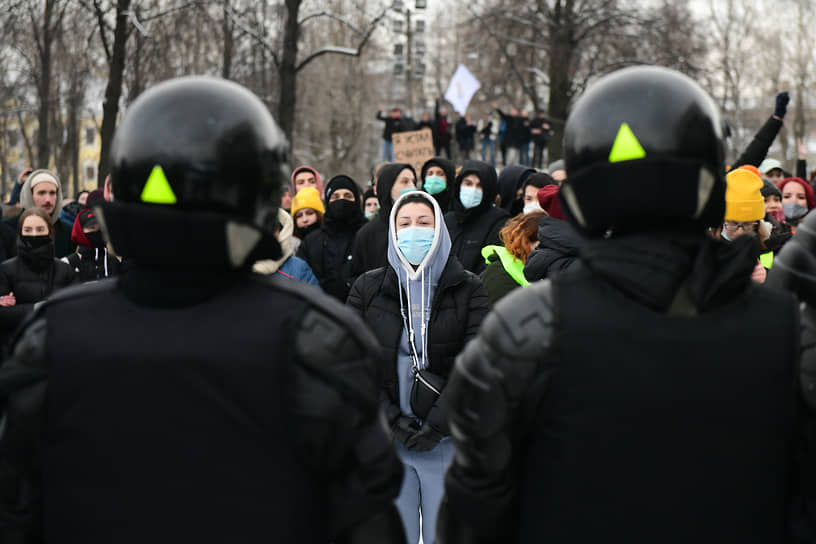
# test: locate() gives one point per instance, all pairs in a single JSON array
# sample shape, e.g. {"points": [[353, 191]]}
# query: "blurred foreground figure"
{"points": [[191, 400], [645, 396]]}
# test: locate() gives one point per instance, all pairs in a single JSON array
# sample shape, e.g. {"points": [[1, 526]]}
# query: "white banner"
{"points": [[461, 89]]}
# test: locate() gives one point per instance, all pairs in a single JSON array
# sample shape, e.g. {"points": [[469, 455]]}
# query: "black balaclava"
{"points": [[344, 213], [37, 252]]}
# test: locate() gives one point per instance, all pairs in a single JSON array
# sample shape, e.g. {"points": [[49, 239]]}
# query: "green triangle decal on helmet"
{"points": [[157, 190], [626, 146]]}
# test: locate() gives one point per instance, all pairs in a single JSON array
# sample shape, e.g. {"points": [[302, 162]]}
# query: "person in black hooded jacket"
{"points": [[370, 247], [328, 250], [437, 175], [91, 261], [473, 221], [33, 274], [511, 180]]}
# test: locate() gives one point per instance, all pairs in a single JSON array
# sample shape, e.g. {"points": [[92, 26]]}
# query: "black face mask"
{"points": [[344, 211], [36, 251], [95, 238], [305, 231]]}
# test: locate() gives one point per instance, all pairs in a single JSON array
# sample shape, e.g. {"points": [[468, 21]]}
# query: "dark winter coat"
{"points": [[370, 248], [558, 245], [496, 280], [91, 263], [459, 306], [471, 230], [28, 286], [328, 252], [392, 125], [441, 127]]}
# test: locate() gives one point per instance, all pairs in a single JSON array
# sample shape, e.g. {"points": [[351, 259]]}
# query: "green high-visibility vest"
{"points": [[513, 266], [766, 259]]}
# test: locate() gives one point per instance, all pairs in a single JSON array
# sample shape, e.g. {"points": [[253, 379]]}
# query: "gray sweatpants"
{"points": [[422, 488]]}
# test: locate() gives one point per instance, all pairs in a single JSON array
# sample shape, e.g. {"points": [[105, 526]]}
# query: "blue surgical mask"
{"points": [[369, 215], [470, 197], [415, 242], [407, 190], [434, 185]]}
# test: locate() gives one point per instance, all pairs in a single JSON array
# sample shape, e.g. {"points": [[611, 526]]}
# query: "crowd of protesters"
{"points": [[521, 139], [421, 256]]}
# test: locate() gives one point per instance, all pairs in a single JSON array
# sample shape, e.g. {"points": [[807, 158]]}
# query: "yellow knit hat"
{"points": [[743, 199], [308, 197]]}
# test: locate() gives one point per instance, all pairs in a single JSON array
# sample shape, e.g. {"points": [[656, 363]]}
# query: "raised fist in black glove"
{"points": [[425, 439], [782, 100]]}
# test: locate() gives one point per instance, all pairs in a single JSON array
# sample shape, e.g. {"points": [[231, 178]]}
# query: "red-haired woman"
{"points": [[505, 264]]}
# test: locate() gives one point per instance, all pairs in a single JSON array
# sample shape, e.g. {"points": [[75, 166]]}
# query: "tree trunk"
{"points": [[288, 76], [110, 108], [558, 106], [44, 88], [226, 65]]}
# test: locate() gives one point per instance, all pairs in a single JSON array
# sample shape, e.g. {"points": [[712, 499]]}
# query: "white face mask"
{"points": [[533, 206]]}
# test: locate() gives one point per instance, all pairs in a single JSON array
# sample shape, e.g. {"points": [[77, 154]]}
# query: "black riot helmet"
{"points": [[644, 148], [199, 159]]}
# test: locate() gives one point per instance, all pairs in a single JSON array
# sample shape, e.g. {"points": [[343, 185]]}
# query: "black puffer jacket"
{"points": [[28, 286], [328, 251], [558, 245], [459, 306], [471, 230]]}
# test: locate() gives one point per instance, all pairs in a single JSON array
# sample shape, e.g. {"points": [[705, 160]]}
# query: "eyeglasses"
{"points": [[734, 226]]}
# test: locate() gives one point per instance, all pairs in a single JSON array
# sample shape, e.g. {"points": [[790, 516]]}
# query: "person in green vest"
{"points": [[505, 264]]}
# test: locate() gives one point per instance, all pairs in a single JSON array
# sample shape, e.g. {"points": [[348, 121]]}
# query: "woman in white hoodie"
{"points": [[423, 308]]}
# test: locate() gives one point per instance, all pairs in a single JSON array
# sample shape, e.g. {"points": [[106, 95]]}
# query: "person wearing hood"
{"points": [[287, 266], [505, 263], [473, 221], [91, 261], [511, 179], [369, 250], [370, 204], [306, 176], [558, 242], [423, 307], [437, 175], [42, 189], [530, 188], [328, 250], [33, 274]]}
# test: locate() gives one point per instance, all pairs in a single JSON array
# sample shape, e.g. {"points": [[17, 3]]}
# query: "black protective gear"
{"points": [[663, 136], [199, 160], [794, 269], [314, 465]]}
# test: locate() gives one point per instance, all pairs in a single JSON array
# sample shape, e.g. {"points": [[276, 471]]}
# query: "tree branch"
{"points": [[344, 50], [271, 48], [334, 16]]}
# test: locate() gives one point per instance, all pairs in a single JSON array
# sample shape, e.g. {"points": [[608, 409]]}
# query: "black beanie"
{"points": [[342, 182], [768, 189]]}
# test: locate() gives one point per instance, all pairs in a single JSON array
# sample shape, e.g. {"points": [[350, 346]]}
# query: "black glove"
{"points": [[423, 440], [782, 100], [404, 427]]}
